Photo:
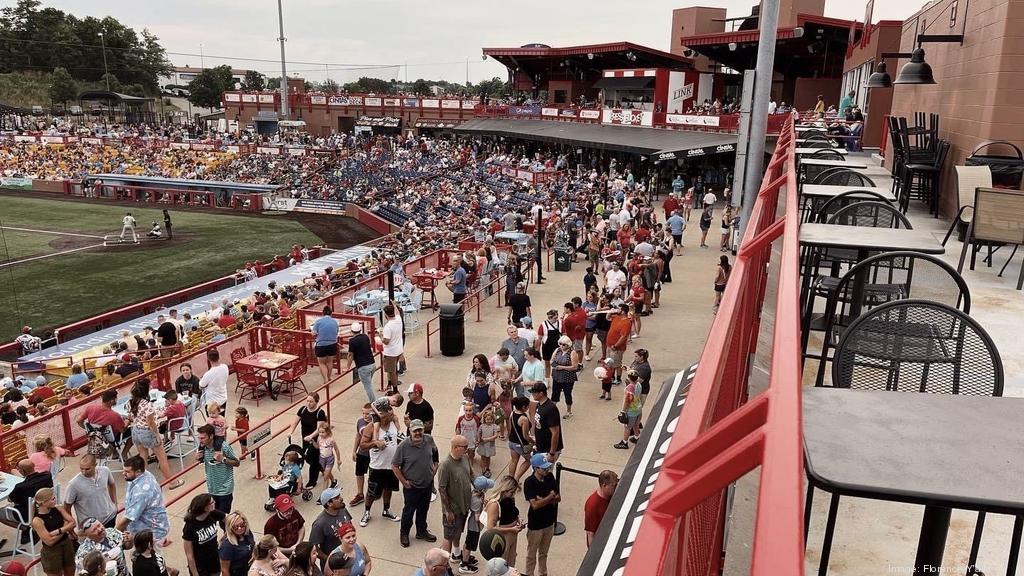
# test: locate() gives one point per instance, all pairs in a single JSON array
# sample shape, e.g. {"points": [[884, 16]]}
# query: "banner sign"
{"points": [[93, 141], [614, 539], [392, 102], [411, 103], [468, 104], [436, 123], [296, 151], [24, 138], [51, 139], [691, 120], [249, 98], [200, 146], [320, 206], [232, 97], [268, 150], [266, 98], [16, 182], [345, 101], [711, 150], [179, 145], [431, 103], [627, 117], [372, 101], [232, 149], [383, 121], [590, 114], [451, 104], [549, 112], [318, 99], [524, 110], [567, 113]]}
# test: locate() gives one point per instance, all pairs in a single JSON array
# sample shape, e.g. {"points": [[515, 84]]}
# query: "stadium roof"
{"points": [[106, 95], [131, 180], [598, 56], [645, 141]]}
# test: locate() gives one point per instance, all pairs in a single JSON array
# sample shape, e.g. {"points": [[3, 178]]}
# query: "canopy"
{"points": [[645, 141]]}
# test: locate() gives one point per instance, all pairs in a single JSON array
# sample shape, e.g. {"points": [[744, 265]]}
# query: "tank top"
{"points": [[381, 459], [591, 320], [552, 334], [515, 433], [508, 512], [481, 396], [561, 358], [53, 520]]}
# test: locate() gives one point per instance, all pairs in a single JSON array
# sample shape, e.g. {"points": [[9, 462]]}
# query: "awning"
{"points": [[626, 82], [693, 152], [635, 140]]}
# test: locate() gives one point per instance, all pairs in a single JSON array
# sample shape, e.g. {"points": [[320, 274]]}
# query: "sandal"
{"points": [[177, 484]]}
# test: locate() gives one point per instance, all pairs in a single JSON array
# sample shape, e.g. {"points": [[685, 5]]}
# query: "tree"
{"points": [[421, 87], [274, 83], [493, 87], [330, 86], [253, 81], [62, 86], [205, 90], [110, 79]]}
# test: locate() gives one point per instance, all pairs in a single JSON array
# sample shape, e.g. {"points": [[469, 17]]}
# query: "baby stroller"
{"points": [[289, 485]]}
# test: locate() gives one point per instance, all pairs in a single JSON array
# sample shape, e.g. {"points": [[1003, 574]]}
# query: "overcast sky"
{"points": [[432, 40]]}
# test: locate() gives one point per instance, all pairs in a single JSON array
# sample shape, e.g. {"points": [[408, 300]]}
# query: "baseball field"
{"points": [[55, 269]]}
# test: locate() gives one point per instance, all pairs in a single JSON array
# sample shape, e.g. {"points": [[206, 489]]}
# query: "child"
{"points": [[604, 372], [481, 485], [286, 478], [219, 423], [632, 406], [589, 280], [361, 457], [329, 453], [174, 411], [488, 434], [503, 407], [46, 453], [468, 425], [241, 427]]}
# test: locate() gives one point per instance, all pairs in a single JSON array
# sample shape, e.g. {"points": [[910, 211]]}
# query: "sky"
{"points": [[405, 39]]}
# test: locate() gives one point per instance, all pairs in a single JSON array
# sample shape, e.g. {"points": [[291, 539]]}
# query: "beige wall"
{"points": [[978, 85], [885, 37], [789, 9], [694, 21]]}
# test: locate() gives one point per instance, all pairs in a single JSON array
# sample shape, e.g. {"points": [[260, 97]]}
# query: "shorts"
{"points": [[144, 437], [55, 558], [678, 239], [472, 540], [379, 481], [577, 345], [327, 462], [391, 368], [632, 420], [719, 287], [602, 335], [453, 531], [326, 351], [616, 356], [519, 449], [362, 464]]}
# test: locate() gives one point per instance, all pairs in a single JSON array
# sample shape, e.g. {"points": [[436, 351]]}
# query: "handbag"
{"points": [[623, 419]]}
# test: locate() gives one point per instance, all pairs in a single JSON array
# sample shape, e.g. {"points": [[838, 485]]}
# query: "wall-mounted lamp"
{"points": [[732, 46], [917, 71], [590, 55]]}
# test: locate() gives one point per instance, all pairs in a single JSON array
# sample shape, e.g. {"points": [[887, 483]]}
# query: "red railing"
{"points": [[720, 436], [473, 300], [168, 196]]}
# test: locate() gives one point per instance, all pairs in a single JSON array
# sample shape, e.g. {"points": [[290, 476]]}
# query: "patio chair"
{"points": [[24, 536], [998, 219], [846, 177], [823, 212], [291, 375], [182, 427], [968, 179], [913, 346], [825, 154], [870, 214], [411, 311], [886, 278], [249, 383]]}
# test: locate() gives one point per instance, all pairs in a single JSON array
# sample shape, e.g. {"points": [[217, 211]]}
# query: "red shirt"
{"points": [[100, 415], [637, 293], [579, 324], [625, 239], [643, 234], [40, 393], [226, 320], [619, 330], [670, 205], [593, 511], [175, 411], [241, 425]]}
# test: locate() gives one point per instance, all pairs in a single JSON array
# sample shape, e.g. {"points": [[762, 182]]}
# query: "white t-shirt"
{"points": [[710, 199], [393, 333], [614, 278], [215, 382], [625, 216], [613, 221], [528, 334]]}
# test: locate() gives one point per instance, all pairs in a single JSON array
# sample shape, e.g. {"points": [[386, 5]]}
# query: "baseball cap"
{"points": [[284, 503], [415, 388], [326, 496], [356, 327], [483, 483], [498, 567], [381, 405], [539, 387], [344, 528], [540, 461], [26, 329], [526, 321], [416, 424]]}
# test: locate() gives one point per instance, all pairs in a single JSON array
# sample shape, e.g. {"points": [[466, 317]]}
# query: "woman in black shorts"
{"points": [[721, 278], [309, 416], [551, 331]]}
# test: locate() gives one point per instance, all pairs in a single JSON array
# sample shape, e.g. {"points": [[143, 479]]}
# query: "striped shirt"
{"points": [[220, 478]]}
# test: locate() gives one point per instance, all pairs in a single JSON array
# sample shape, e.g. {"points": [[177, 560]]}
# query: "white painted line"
{"points": [[52, 232], [5, 264]]}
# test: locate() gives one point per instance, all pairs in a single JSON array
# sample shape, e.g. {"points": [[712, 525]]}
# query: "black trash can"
{"points": [[563, 259], [453, 329]]}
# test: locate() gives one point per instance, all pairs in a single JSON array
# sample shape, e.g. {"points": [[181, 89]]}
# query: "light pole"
{"points": [[467, 74], [202, 60], [284, 73], [103, 48]]}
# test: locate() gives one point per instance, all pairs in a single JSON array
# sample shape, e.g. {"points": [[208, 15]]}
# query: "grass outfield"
{"points": [[55, 291]]}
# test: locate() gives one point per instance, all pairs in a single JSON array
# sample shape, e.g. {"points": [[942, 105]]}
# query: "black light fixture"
{"points": [[917, 71]]}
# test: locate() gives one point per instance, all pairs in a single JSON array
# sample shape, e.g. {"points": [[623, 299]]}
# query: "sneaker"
{"points": [[487, 473], [608, 397], [587, 358], [633, 439], [454, 560], [252, 456], [433, 496], [467, 568], [334, 483], [567, 415], [620, 446], [472, 561], [426, 536], [403, 539], [365, 519], [357, 499], [387, 514]]}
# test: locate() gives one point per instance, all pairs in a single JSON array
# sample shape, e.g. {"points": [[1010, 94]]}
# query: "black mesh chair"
{"points": [[817, 141], [878, 280], [825, 153], [847, 178], [914, 346], [869, 214], [823, 212]]}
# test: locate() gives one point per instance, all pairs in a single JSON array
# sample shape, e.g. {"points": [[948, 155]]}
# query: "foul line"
{"points": [[12, 263], [52, 232]]}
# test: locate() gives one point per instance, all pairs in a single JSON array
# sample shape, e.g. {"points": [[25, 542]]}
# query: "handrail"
{"points": [[473, 300], [720, 436]]}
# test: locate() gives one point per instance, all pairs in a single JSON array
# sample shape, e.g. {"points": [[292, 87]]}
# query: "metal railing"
{"points": [[720, 436], [473, 300]]}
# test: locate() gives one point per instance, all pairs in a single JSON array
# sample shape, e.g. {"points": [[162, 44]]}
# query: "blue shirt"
{"points": [[676, 224], [326, 330], [677, 185], [459, 281], [76, 380], [144, 507]]}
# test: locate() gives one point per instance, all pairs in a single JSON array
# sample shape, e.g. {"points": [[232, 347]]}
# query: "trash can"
{"points": [[453, 329], [1007, 170], [563, 259]]}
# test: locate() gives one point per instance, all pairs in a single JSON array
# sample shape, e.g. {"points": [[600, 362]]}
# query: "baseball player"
{"points": [[128, 225]]}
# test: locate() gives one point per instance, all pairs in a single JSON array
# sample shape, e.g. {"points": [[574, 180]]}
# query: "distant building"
{"points": [[182, 75]]}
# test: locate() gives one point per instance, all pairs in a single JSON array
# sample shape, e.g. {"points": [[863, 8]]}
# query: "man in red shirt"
{"points": [[579, 324], [670, 205], [287, 525], [39, 394], [102, 414], [597, 503], [618, 337]]}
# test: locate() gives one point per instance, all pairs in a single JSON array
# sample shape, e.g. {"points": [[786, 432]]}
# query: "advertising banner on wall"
{"points": [[16, 182], [627, 117], [319, 99], [431, 103], [691, 120], [373, 101], [392, 102], [451, 104]]}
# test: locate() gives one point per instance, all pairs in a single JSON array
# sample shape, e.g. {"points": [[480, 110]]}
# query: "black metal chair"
{"points": [[913, 346], [921, 180], [817, 140], [825, 211], [826, 153], [869, 214], [883, 278], [825, 173], [847, 178]]}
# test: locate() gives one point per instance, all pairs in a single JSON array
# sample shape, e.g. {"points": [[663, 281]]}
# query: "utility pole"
{"points": [[103, 48], [284, 72], [202, 59], [467, 73], [754, 173]]}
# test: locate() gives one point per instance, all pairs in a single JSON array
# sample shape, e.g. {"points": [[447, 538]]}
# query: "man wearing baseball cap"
{"points": [[498, 567], [541, 493], [418, 408], [324, 532], [360, 352], [287, 524], [415, 464]]}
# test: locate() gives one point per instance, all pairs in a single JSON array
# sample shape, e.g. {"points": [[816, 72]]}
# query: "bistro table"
{"points": [[832, 163], [940, 451], [865, 241], [7, 483], [156, 398], [827, 191], [426, 279], [269, 362]]}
